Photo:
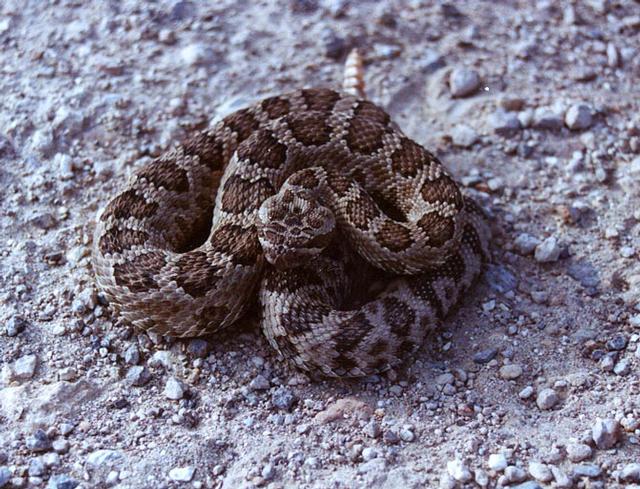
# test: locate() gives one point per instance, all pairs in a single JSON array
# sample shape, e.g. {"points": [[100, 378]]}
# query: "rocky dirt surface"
{"points": [[533, 383]]}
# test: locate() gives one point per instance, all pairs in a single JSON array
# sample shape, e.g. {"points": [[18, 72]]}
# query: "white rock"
{"points": [[606, 433], [463, 82], [547, 118], [104, 458], [578, 117], [540, 472], [547, 398], [181, 474], [514, 474], [525, 243], [548, 250], [174, 389], [497, 462], [563, 481], [526, 393], [458, 470], [369, 453], [22, 369], [511, 371], [577, 452], [631, 472], [613, 58], [463, 136], [195, 54]]}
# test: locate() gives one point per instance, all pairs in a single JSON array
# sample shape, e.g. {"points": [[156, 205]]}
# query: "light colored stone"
{"points": [[606, 433], [514, 474], [547, 399], [174, 389], [562, 480], [346, 407], [548, 250], [497, 462], [182, 474], [459, 471], [463, 82], [463, 136], [577, 452], [578, 117], [540, 472], [629, 473], [525, 243], [511, 371], [99, 459], [22, 369]]}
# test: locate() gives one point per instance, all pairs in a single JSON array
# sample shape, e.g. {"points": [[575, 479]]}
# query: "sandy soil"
{"points": [[533, 383]]}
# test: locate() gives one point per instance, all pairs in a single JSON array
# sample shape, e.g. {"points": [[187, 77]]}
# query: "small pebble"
{"points": [[485, 356], [459, 471], [504, 123], [369, 453], [606, 433], [526, 244], [268, 472], [587, 470], [629, 473], [497, 462], [578, 117], [514, 474], [577, 452], [259, 383], [181, 474], [526, 393], [15, 325], [138, 376], [547, 251], [617, 343], [39, 442], [5, 476], [174, 389], [622, 368], [511, 371], [547, 118], [547, 398], [23, 368], [463, 82], [406, 434], [283, 399], [463, 136], [540, 472], [563, 481]]}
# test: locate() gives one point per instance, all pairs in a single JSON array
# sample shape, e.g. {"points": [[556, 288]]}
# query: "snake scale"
{"points": [[292, 199]]}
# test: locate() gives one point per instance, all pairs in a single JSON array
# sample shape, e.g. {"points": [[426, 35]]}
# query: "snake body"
{"points": [[282, 198]]}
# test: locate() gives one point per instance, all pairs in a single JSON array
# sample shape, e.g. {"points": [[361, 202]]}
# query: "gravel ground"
{"points": [[533, 383]]}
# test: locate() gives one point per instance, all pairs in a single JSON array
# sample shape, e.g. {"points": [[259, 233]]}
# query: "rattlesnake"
{"points": [[289, 197]]}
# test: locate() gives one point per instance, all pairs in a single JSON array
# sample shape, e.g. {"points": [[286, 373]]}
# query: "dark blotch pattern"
{"points": [[443, 189], [129, 204], [165, 174], [351, 333], [263, 149], [398, 315], [117, 240], [241, 195], [241, 244], [409, 158], [362, 212], [242, 122], [309, 128], [364, 137], [394, 236], [369, 110], [196, 274], [439, 229], [421, 286], [276, 107], [138, 274], [207, 148], [304, 178], [320, 99]]}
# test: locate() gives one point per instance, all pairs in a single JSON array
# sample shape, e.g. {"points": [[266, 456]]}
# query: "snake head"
{"points": [[294, 227]]}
